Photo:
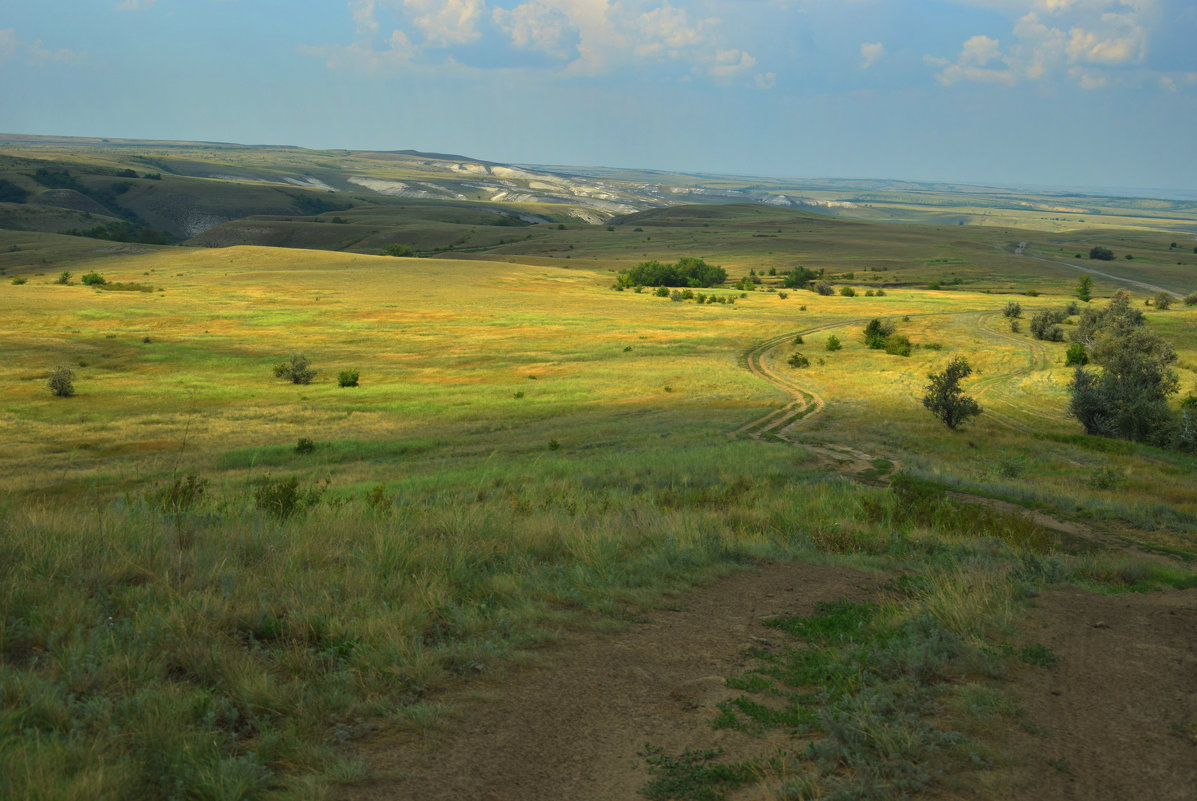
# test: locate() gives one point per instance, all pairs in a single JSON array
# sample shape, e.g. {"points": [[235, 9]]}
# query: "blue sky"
{"points": [[1097, 93]]}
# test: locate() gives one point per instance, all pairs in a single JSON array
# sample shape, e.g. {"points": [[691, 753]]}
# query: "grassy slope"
{"points": [[236, 649]]}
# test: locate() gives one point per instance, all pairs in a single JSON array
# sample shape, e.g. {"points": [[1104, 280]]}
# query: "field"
{"points": [[221, 584]]}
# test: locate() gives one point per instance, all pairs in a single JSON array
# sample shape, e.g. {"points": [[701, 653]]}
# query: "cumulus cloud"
{"points": [[447, 22], [584, 37], [1084, 39], [535, 26], [35, 54], [871, 53]]}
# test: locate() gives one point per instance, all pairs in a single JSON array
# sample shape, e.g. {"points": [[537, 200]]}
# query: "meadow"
{"points": [[195, 603]]}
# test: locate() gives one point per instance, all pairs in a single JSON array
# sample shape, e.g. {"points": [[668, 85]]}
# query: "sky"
{"points": [[1042, 93]]}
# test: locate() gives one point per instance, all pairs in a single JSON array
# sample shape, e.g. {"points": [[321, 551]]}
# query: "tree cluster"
{"points": [[687, 271], [1128, 398]]}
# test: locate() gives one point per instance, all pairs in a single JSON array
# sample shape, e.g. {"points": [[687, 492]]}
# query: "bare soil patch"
{"points": [[572, 729], [1117, 717]]}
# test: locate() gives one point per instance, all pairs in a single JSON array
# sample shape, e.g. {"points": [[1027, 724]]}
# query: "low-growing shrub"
{"points": [[823, 288], [898, 345], [1013, 309], [783, 295], [799, 361], [397, 249], [662, 292], [1076, 355], [833, 342], [62, 381], [180, 495], [297, 370], [880, 293], [676, 296], [348, 378], [848, 292], [305, 445], [64, 277], [798, 339], [1162, 300], [1190, 299], [282, 498], [93, 279], [20, 279]]}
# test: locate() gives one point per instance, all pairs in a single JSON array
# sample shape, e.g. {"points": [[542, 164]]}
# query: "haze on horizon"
{"points": [[1078, 93]]}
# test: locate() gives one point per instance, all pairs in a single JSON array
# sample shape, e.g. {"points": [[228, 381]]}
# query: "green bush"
{"points": [[823, 288], [62, 382], [1162, 300], [876, 332], [898, 345], [64, 277], [1043, 326], [833, 342], [848, 292], [798, 339], [1190, 299], [181, 494], [799, 361], [297, 370], [662, 292], [93, 279], [347, 378], [397, 249], [1076, 355], [282, 498], [20, 279], [305, 445], [1101, 254]]}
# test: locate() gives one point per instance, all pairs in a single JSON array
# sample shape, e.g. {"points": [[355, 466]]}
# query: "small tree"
{"points": [[1084, 288], [946, 400], [1013, 310], [1162, 301], [1044, 326], [833, 342], [1101, 254], [397, 249], [297, 370], [62, 382], [798, 360], [1076, 355]]}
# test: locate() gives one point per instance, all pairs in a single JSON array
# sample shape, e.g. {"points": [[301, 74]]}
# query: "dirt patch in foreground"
{"points": [[572, 729], [1119, 711], [1115, 718]]}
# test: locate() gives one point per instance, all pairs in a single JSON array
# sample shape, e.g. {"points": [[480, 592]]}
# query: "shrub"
{"points": [[823, 288], [799, 361], [880, 293], [1084, 288], [1013, 309], [297, 370], [64, 277], [848, 292], [676, 296], [662, 292], [898, 345], [1190, 299], [687, 294], [18, 280], [946, 400], [93, 279], [1162, 301], [876, 332], [1015, 326], [1032, 293], [397, 249], [1101, 254], [181, 494], [282, 498], [868, 293], [305, 445], [1076, 355], [348, 378], [798, 339], [1043, 326], [833, 343], [687, 271], [62, 382], [1071, 309], [783, 295]]}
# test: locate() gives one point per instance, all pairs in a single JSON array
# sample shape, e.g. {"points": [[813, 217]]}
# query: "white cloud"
{"points": [[1087, 40], [134, 5], [535, 26], [363, 17], [765, 80], [871, 53], [448, 22], [586, 37], [35, 53]]}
